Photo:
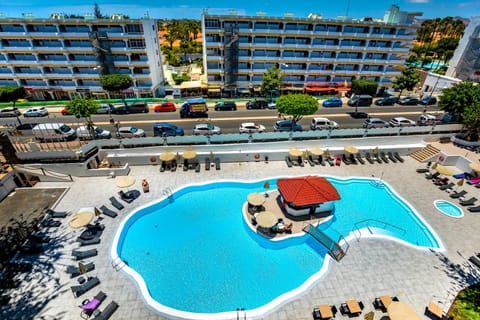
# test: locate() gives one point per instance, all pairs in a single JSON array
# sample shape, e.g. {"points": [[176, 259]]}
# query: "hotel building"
{"points": [[238, 50], [59, 58]]}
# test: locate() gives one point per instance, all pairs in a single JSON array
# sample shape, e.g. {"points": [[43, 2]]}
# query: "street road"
{"points": [[229, 121]]}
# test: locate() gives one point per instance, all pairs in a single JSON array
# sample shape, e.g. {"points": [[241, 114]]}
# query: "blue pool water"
{"points": [[448, 208], [195, 252]]}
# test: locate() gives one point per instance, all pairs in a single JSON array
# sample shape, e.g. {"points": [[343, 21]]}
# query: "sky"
{"points": [[176, 9]]}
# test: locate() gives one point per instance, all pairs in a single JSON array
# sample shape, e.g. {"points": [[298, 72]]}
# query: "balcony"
{"points": [[131, 63]]}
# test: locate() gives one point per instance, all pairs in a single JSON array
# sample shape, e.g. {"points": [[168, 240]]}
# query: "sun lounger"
{"points": [[474, 209], [422, 170], [384, 157], [217, 163], [359, 158], [456, 194], [74, 271], [475, 260], [288, 162], [382, 302], [116, 204], [429, 175], [108, 212], [398, 157], [79, 255], [50, 223], [469, 202], [88, 285], [321, 160], [56, 214], [345, 160], [369, 158], [447, 186], [330, 161], [125, 197], [473, 181], [310, 161], [338, 160], [197, 167], [88, 242], [207, 164], [352, 159], [107, 312], [89, 306], [391, 157], [163, 166]]}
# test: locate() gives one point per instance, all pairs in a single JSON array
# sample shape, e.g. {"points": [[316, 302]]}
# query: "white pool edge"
{"points": [[261, 312]]}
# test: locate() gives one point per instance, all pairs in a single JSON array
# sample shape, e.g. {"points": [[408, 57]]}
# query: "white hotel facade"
{"points": [[59, 58], [238, 50]]}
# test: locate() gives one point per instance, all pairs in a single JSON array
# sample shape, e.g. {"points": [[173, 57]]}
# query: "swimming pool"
{"points": [[448, 208], [193, 255]]}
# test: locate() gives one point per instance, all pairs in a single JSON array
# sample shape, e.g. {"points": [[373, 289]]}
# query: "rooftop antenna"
{"points": [[348, 8]]}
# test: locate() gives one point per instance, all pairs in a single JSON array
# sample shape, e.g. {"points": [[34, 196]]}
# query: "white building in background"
{"points": [[59, 58], [238, 50], [435, 83], [465, 63], [394, 15]]}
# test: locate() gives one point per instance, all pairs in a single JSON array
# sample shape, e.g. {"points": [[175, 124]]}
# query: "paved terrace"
{"points": [[371, 267]]}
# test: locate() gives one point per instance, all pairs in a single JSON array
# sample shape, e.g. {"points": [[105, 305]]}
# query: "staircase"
{"points": [[425, 154]]}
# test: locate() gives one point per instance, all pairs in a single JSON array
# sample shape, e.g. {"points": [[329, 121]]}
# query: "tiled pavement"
{"points": [[371, 268]]}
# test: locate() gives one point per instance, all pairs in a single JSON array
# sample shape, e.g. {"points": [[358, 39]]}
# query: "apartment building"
{"points": [[238, 50], [59, 58]]}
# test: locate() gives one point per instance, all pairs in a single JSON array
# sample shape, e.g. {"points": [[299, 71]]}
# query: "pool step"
{"points": [[425, 154]]}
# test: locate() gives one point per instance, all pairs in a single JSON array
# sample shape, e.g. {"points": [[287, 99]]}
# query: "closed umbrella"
{"points": [[266, 219], [256, 199], [167, 156], [375, 151], [351, 149], [190, 154], [294, 152], [316, 151], [398, 310]]}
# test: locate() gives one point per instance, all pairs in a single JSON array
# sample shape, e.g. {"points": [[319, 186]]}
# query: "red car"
{"points": [[65, 112], [165, 107]]}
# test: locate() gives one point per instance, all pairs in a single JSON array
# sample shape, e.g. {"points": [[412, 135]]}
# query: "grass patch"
{"points": [[467, 304]]}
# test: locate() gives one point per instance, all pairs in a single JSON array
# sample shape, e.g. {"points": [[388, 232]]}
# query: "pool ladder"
{"points": [[118, 264], [240, 312]]}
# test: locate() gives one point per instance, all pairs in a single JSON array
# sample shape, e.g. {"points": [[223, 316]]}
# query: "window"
{"points": [[136, 43], [212, 24], [134, 28]]}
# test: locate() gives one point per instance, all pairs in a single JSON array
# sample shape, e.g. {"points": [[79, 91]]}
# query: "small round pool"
{"points": [[448, 208]]}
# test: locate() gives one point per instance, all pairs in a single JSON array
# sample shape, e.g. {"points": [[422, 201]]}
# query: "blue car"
{"points": [[164, 129], [333, 102]]}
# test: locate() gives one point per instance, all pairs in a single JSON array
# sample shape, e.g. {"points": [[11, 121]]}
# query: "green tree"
{"points": [[83, 108], [272, 81], [462, 99], [297, 106], [408, 80], [96, 12], [12, 94], [364, 87], [116, 83]]}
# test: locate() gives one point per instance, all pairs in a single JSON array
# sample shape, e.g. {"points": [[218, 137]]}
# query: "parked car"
{"points": [[286, 125], [137, 107], [9, 112], [402, 122], [333, 102], [36, 112], [105, 108], [83, 133], [165, 107], [375, 123], [388, 101], [225, 105], [53, 131], [65, 112], [251, 127], [427, 120], [361, 100], [428, 101], [451, 118], [272, 105], [130, 132], [163, 129], [409, 101], [322, 124], [257, 104], [206, 129]]}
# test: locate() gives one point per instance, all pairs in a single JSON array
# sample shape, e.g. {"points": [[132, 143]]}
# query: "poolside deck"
{"points": [[371, 268]]}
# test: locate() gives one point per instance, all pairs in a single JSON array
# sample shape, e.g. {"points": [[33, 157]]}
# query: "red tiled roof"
{"points": [[307, 190]]}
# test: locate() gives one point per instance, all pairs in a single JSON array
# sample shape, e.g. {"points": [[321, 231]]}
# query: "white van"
{"points": [[53, 131], [83, 133], [323, 123]]}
